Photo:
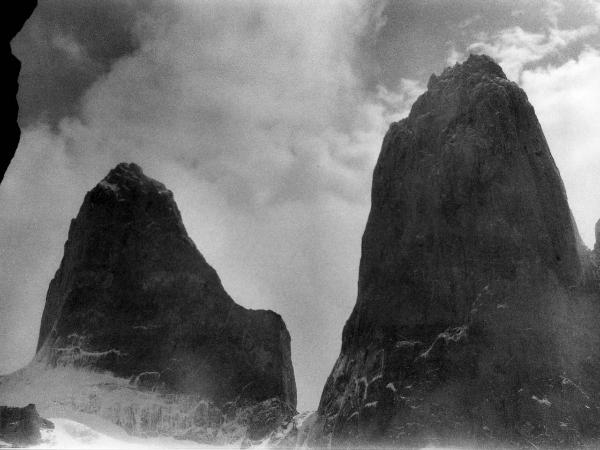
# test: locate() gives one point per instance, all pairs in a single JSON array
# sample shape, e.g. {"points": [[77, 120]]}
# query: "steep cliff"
{"points": [[134, 297], [472, 323]]}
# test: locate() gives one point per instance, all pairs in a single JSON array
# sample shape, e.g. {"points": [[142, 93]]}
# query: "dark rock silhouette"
{"points": [[21, 426], [134, 296], [15, 17], [473, 322]]}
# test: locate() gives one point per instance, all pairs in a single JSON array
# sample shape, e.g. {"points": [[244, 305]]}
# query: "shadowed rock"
{"points": [[473, 322], [134, 296], [21, 426]]}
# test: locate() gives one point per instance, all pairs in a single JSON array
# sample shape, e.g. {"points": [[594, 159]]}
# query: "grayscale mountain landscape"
{"points": [[303, 225]]}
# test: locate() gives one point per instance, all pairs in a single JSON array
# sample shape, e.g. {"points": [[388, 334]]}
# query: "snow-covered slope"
{"points": [[93, 409], [70, 434]]}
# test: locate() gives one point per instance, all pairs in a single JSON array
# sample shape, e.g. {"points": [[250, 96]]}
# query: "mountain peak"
{"points": [[482, 63], [470, 311], [128, 170], [475, 68], [129, 177], [135, 297]]}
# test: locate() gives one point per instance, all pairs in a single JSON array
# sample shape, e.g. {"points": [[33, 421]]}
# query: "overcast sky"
{"points": [[265, 119]]}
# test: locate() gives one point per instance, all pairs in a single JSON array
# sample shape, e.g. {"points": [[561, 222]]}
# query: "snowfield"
{"points": [[69, 434], [93, 410]]}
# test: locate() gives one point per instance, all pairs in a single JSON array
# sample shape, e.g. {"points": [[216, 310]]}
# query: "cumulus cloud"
{"points": [[255, 117], [515, 47]]}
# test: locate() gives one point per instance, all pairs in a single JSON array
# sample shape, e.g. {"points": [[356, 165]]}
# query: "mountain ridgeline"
{"points": [[478, 312]]}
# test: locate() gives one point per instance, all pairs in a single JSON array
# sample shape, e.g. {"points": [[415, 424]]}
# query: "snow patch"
{"points": [[455, 334], [70, 434], [542, 401], [405, 344], [85, 396], [568, 382], [106, 185]]}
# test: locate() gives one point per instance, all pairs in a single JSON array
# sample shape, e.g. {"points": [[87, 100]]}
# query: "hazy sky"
{"points": [[265, 119]]}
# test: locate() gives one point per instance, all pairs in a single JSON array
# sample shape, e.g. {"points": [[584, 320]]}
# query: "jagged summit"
{"points": [[475, 69], [127, 178], [126, 170], [129, 173]]}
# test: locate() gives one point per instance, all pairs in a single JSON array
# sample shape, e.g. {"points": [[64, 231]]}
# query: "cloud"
{"points": [[454, 56], [70, 46], [552, 10], [254, 115], [38, 195], [64, 47], [566, 102], [514, 47], [469, 21]]}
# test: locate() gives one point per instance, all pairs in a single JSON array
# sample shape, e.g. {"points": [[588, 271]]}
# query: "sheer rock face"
{"points": [[135, 297], [471, 321]]}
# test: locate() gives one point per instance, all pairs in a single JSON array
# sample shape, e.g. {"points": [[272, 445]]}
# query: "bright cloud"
{"points": [[514, 47]]}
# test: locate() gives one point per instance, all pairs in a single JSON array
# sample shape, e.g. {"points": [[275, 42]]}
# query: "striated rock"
{"points": [[472, 323], [133, 296], [21, 426]]}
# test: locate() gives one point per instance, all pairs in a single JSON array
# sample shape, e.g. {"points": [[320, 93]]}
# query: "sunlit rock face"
{"points": [[133, 296], [472, 322]]}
